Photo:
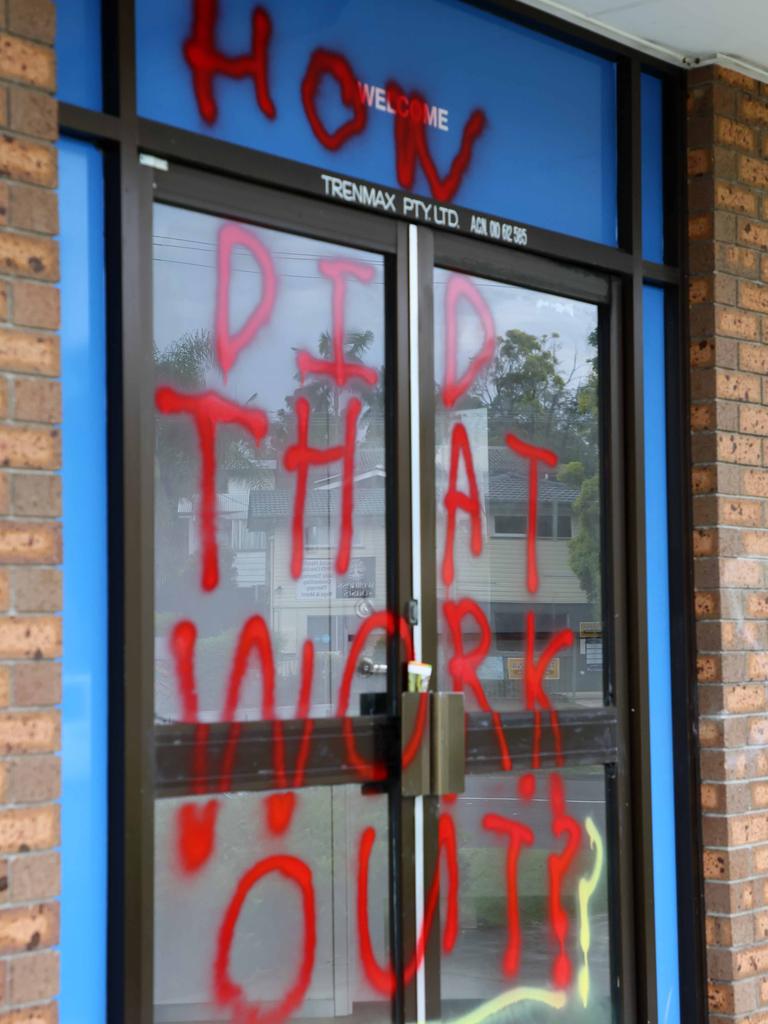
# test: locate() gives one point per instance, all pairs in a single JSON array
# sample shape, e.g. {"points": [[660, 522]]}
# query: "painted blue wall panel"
{"points": [[652, 151], [548, 153], [84, 712], [659, 673], [78, 52]]}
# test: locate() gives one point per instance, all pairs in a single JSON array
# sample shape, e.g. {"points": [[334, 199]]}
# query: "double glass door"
{"points": [[376, 446]]}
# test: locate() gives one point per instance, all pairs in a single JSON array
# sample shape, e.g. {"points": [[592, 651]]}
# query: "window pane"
{"points": [[517, 434], [493, 959], [270, 559]]}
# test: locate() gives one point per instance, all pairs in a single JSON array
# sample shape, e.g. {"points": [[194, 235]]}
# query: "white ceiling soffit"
{"points": [[733, 33]]}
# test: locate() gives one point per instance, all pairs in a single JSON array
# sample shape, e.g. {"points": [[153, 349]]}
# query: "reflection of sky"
{"points": [[184, 269], [521, 309]]}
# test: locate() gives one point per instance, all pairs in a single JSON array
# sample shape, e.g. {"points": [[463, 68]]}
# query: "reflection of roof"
{"points": [[279, 504], [514, 487], [225, 504]]}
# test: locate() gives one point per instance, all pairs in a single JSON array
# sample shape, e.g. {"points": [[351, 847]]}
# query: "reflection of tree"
{"points": [[328, 401], [189, 364], [526, 390]]}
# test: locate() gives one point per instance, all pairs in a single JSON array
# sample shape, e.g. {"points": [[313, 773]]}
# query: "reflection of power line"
{"points": [[200, 245], [238, 270]]}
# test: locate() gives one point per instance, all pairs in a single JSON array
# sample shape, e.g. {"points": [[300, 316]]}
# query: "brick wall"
{"points": [[30, 503], [728, 250]]}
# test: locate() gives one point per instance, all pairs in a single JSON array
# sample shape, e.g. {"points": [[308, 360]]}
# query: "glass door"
{"points": [[375, 446], [277, 642], [518, 453]]}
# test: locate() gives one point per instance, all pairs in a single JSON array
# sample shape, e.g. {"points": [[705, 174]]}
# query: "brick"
{"points": [[35, 877], [31, 63], [30, 447], [29, 732], [753, 358], [37, 590], [753, 172], [36, 684], [32, 1015], [701, 225], [737, 324], [755, 481], [754, 296], [29, 256], [747, 451], [753, 233], [752, 108], [753, 419], [30, 542], [731, 133], [36, 494], [23, 352], [29, 828], [757, 607], [35, 779], [34, 209], [34, 19], [735, 259], [757, 668], [23, 929], [36, 305], [700, 290], [729, 196], [699, 162], [35, 978], [36, 113], [24, 637], [38, 400], [27, 161]]}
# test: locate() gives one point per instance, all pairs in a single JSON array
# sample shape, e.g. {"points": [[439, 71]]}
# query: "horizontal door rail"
{"points": [[297, 753]]}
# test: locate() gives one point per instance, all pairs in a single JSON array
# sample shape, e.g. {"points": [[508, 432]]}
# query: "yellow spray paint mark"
{"points": [[522, 994], [587, 888]]}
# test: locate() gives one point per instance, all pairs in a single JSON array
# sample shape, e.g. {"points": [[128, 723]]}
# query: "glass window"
{"points": [[518, 440]]}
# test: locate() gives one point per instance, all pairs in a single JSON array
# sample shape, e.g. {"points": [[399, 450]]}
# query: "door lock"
{"points": [[433, 747]]}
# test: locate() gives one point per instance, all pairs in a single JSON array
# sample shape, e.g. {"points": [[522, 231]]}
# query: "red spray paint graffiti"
{"points": [[535, 455], [325, 62], [558, 865], [384, 979], [519, 835], [460, 287], [455, 499], [229, 345], [534, 673], [206, 61], [411, 144], [299, 457], [463, 665], [208, 411], [339, 369], [226, 991]]}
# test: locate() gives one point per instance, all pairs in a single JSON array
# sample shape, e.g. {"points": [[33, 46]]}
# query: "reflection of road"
{"points": [[473, 971]]}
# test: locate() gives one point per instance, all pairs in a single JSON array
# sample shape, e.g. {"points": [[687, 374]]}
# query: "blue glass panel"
{"points": [[84, 711], [78, 52], [547, 155], [652, 107], [659, 675]]}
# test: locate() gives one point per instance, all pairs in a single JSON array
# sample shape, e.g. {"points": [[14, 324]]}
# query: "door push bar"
{"points": [[433, 743]]}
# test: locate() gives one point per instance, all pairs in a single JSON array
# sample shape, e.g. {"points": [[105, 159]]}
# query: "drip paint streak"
{"points": [[325, 62], [460, 287], [535, 455], [536, 696], [519, 835], [205, 61], [455, 499], [411, 144], [208, 410], [226, 991], [384, 979], [558, 865], [463, 665], [337, 271], [299, 457], [228, 345], [280, 806]]}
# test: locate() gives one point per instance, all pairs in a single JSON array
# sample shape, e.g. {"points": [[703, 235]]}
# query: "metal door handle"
{"points": [[366, 667]]}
